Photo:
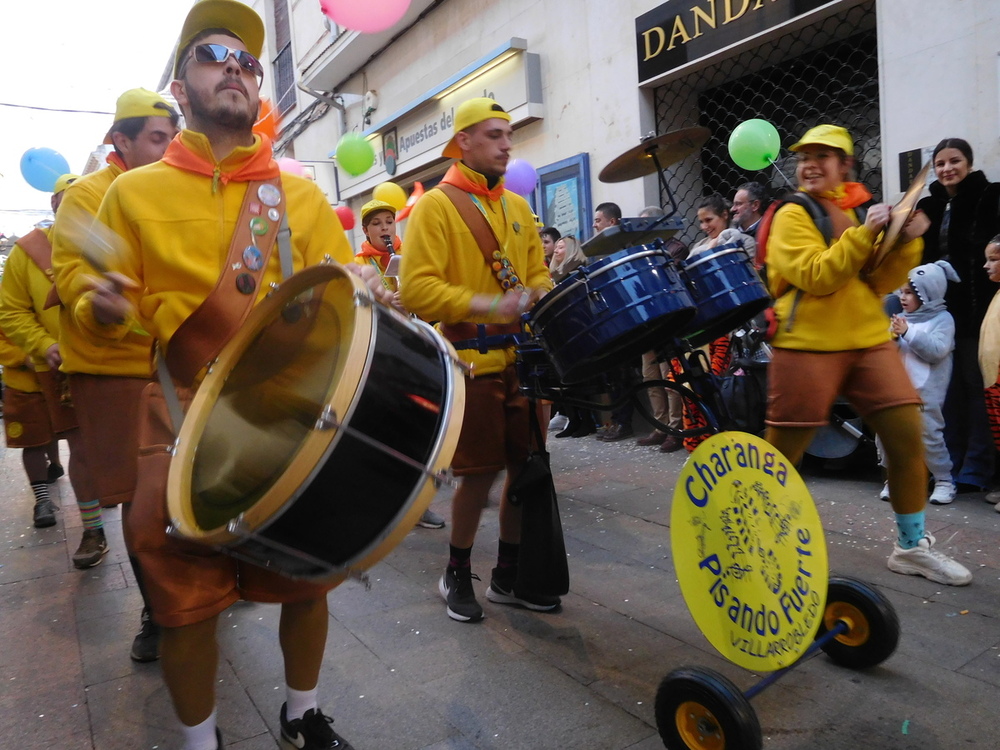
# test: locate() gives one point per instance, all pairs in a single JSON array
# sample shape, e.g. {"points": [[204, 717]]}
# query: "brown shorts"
{"points": [[187, 582], [26, 419], [803, 386], [107, 409], [496, 431], [56, 390]]}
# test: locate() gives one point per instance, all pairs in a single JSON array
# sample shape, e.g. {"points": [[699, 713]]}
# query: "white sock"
{"points": [[200, 736], [297, 702]]}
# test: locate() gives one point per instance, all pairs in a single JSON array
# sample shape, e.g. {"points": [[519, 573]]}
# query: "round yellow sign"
{"points": [[749, 550], [15, 429]]}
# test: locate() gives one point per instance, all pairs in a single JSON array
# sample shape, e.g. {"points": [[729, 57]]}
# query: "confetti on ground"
{"points": [[906, 727]]}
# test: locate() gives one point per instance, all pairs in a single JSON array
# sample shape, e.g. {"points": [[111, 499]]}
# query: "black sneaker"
{"points": [[502, 591], [456, 589], [146, 644], [55, 471], [44, 514], [314, 731]]}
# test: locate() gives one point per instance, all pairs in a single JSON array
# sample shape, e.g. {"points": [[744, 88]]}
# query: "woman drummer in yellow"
{"points": [[378, 222]]}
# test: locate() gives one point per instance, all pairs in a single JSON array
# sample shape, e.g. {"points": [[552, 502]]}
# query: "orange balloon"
{"points": [[267, 123]]}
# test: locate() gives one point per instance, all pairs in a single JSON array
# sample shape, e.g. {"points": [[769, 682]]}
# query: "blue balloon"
{"points": [[41, 167]]}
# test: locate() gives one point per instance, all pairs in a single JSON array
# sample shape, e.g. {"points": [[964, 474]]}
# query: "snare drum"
{"points": [[315, 441], [727, 290], [538, 379], [616, 308]]}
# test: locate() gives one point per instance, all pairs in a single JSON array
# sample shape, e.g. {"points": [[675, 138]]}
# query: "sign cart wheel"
{"points": [[872, 625], [700, 709]]}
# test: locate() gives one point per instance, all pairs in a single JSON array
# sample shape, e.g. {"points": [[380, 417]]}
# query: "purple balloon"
{"points": [[521, 177]]}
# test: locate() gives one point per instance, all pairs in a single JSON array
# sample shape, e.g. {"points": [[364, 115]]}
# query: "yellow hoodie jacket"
{"points": [[443, 267], [22, 315], [129, 357], [839, 309], [176, 230]]}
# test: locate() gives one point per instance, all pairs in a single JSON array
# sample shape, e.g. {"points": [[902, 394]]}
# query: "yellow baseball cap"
{"points": [[64, 182], [374, 206], [827, 135], [139, 103], [471, 113], [231, 15]]}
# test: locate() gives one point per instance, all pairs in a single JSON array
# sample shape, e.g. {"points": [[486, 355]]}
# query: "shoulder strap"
{"points": [[817, 212], [38, 248], [474, 220], [204, 333]]}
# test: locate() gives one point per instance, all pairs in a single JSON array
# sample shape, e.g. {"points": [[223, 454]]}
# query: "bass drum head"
{"points": [[310, 446]]}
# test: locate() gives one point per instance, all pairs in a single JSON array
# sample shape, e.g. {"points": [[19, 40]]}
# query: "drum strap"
{"points": [[204, 333], [37, 247], [482, 233]]}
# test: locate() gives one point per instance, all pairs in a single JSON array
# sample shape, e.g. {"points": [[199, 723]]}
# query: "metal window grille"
{"points": [[284, 78], [826, 72]]}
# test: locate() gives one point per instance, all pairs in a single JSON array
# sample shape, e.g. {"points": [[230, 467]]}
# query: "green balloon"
{"points": [[754, 144], [355, 154]]}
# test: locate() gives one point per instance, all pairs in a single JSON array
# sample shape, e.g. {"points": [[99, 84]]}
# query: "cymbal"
{"points": [[668, 148], [899, 215]]}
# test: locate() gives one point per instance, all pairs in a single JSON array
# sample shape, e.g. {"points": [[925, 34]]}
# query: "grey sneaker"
{"points": [[456, 589], [146, 644], [93, 547], [924, 560], [44, 514], [944, 492], [431, 520], [502, 591]]}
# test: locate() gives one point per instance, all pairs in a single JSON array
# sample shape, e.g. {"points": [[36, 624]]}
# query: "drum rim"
{"points": [[583, 276], [316, 442], [727, 249]]}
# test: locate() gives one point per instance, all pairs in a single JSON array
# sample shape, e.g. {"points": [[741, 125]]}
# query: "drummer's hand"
{"points": [[52, 357], [373, 281], [915, 226], [110, 305], [512, 305], [878, 217]]}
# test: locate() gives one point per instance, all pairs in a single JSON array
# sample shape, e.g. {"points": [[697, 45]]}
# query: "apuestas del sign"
{"points": [[749, 551], [677, 33]]}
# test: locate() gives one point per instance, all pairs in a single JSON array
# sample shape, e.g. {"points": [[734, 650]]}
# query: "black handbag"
{"points": [[542, 567]]}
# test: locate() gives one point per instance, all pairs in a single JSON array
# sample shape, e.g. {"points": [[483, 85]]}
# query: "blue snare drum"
{"points": [[617, 308], [727, 290]]}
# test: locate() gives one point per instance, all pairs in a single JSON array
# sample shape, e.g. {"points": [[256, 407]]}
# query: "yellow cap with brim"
{"points": [[372, 207], [827, 135], [64, 182], [231, 15], [472, 113], [139, 103]]}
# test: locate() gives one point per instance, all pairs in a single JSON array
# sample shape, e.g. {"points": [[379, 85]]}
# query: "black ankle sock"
{"points": [[461, 557], [507, 554]]}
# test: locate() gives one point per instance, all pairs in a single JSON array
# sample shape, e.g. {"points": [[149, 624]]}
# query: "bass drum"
{"points": [[318, 437]]}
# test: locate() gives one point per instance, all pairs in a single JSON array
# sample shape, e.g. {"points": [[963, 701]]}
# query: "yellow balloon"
{"points": [[391, 193]]}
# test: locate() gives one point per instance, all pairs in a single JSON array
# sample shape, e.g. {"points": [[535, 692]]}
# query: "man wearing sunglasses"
{"points": [[179, 223], [105, 382]]}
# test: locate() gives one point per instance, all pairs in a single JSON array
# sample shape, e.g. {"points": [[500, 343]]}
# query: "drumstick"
{"points": [[99, 245]]}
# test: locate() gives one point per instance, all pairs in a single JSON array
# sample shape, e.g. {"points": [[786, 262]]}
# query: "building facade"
{"points": [[585, 81]]}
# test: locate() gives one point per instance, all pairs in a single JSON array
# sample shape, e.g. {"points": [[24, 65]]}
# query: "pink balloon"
{"points": [[292, 166], [521, 177], [346, 217], [368, 18]]}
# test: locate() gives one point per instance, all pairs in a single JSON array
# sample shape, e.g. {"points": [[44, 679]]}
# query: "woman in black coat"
{"points": [[963, 207]]}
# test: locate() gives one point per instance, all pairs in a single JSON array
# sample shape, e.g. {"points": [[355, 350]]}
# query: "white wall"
{"points": [[938, 66]]}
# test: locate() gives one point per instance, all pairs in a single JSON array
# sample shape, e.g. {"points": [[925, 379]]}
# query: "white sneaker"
{"points": [[924, 560], [558, 423], [884, 494], [992, 497], [944, 492]]}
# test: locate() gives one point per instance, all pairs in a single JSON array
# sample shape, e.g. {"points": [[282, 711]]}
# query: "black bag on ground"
{"points": [[542, 567]]}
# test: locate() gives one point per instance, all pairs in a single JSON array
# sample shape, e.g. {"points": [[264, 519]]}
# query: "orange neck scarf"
{"points": [[848, 195], [471, 181], [368, 250], [114, 158], [192, 152]]}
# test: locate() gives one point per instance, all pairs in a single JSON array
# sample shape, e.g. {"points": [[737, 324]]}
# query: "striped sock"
{"points": [[41, 490], [90, 513]]}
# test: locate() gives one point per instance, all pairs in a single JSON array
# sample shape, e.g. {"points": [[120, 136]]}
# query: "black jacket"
{"points": [[975, 219]]}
